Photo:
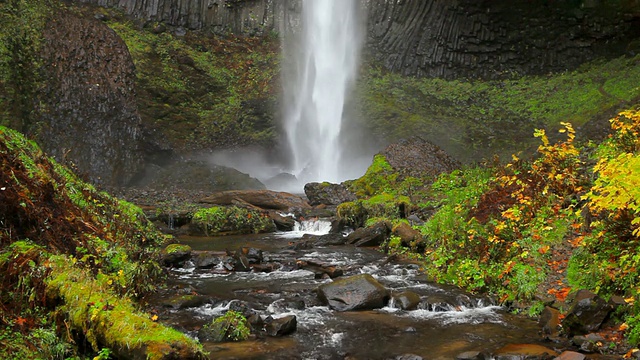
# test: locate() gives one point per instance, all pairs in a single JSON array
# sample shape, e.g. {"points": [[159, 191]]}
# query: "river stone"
{"points": [[283, 223], [327, 193], [370, 236], [206, 260], [358, 292], [470, 355], [408, 357], [281, 326], [570, 355], [406, 300], [549, 321], [524, 351], [587, 313]]}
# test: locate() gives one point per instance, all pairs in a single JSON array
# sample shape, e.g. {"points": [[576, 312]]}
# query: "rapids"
{"points": [[447, 322]]}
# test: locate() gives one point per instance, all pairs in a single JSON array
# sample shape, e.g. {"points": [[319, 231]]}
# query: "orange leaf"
{"points": [[543, 250]]}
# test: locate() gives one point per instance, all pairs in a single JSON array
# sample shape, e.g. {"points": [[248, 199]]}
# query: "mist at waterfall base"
{"points": [[320, 141]]}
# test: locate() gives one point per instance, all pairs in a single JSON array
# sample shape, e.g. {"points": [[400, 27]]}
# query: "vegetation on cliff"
{"points": [[201, 91], [73, 261], [474, 119]]}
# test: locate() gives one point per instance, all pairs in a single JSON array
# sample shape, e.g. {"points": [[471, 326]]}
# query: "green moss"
{"points": [[112, 321], [378, 179], [195, 89], [175, 248], [219, 220]]}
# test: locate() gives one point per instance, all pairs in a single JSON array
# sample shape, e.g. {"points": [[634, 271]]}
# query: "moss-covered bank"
{"points": [[76, 257]]}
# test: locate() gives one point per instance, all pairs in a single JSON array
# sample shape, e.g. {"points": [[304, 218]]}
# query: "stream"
{"points": [[448, 321]]}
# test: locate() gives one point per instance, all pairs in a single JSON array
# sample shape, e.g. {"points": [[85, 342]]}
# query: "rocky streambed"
{"points": [[326, 301]]}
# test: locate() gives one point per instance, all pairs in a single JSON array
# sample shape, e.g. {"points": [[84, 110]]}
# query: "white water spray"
{"points": [[326, 63]]}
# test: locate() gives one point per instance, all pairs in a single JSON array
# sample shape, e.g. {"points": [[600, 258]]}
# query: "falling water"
{"points": [[325, 67]]}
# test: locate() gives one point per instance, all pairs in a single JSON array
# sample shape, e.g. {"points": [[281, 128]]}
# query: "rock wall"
{"points": [[248, 17], [89, 114], [497, 38], [437, 38]]}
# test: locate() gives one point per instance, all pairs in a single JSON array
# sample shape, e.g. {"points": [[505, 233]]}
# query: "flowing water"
{"points": [[447, 323], [325, 65]]}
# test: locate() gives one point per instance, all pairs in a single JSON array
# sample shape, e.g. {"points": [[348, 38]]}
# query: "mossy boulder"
{"points": [[228, 220], [176, 254], [327, 193]]}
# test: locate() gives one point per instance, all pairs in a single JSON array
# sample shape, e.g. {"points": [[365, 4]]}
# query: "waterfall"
{"points": [[325, 64]]}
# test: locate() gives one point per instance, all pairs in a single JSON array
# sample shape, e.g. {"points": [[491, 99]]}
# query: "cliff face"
{"points": [[436, 38], [492, 39], [249, 17], [89, 100]]}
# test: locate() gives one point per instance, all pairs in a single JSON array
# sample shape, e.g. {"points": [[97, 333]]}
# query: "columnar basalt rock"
{"points": [[436, 38], [88, 109]]}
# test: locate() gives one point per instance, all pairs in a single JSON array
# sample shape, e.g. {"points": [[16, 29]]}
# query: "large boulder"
{"points": [[586, 315], [265, 199], [327, 193], [359, 292], [417, 157], [408, 235], [370, 236]]}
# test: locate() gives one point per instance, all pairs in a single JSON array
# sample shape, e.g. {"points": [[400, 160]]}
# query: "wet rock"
{"points": [[241, 263], [242, 307], [283, 223], [408, 357], [281, 326], [359, 292], [185, 301], [330, 240], [419, 158], [550, 321], [524, 351], [206, 260], [437, 304], [587, 313], [406, 300], [265, 199], [265, 268], [409, 236], [570, 355], [253, 255], [369, 236], [470, 355], [320, 268], [587, 343], [327, 193], [176, 255]]}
